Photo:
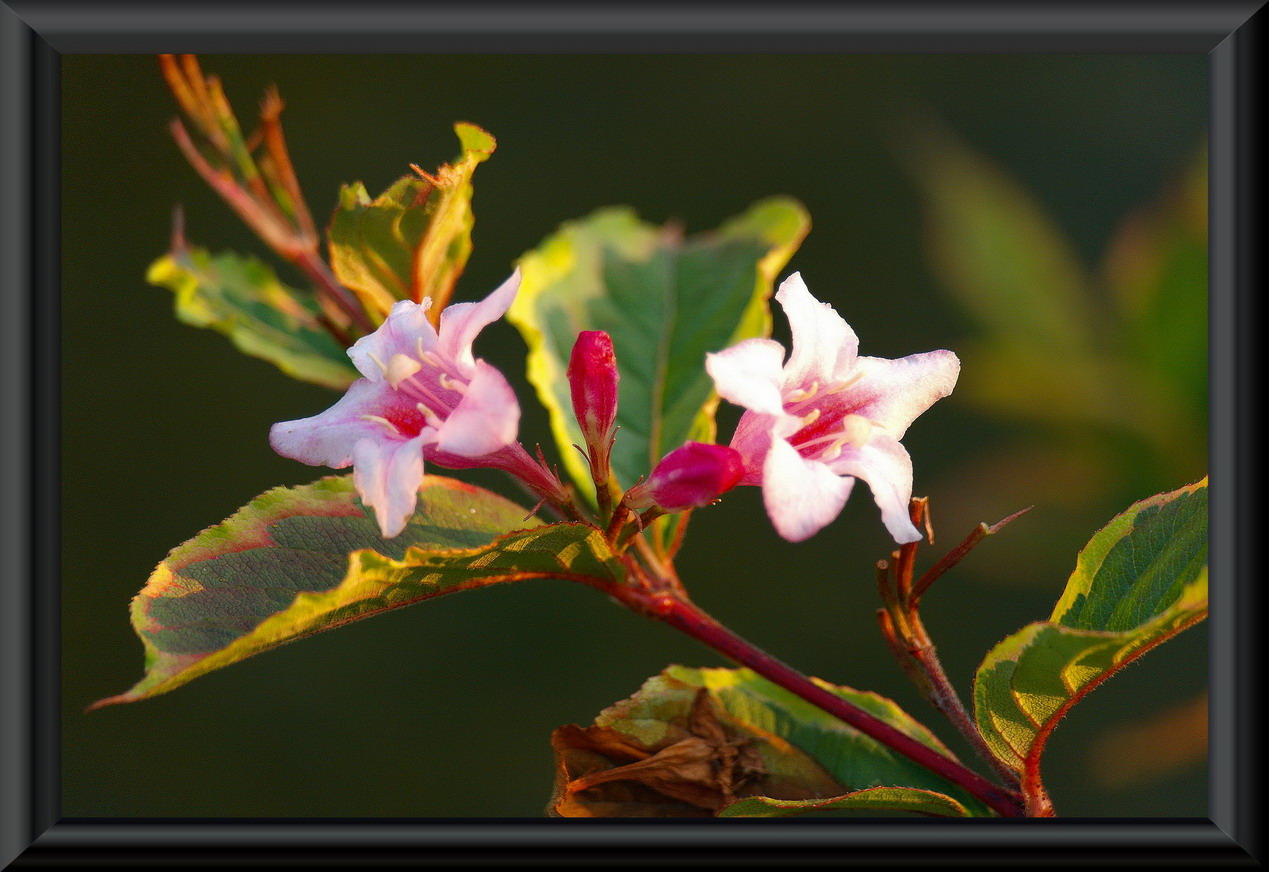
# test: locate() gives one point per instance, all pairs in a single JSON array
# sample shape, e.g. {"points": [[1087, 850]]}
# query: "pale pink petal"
{"points": [[753, 440], [405, 329], [387, 475], [327, 439], [485, 420], [893, 393], [802, 496], [462, 322], [753, 437], [749, 374], [823, 343], [886, 466]]}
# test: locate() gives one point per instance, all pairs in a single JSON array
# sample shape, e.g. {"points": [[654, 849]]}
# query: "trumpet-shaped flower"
{"points": [[422, 389], [826, 416]]}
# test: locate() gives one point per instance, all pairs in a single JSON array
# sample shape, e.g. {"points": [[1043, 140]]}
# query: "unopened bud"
{"points": [[592, 376], [690, 476]]}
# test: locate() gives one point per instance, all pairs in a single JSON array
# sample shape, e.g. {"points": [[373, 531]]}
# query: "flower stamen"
{"points": [[797, 395], [400, 368], [392, 428], [453, 384], [429, 417], [379, 363]]}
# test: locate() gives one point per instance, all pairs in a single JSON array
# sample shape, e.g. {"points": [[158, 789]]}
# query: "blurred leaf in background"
{"points": [[1135, 755], [1104, 368]]}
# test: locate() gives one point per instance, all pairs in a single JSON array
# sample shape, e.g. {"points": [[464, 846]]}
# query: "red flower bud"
{"points": [[690, 476], [592, 376]]}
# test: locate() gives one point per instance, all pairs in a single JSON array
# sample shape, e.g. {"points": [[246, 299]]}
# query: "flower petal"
{"points": [[823, 343], [462, 322], [802, 496], [387, 475], [401, 333], [749, 374], [893, 393], [753, 437], [327, 439], [485, 420], [887, 468]]}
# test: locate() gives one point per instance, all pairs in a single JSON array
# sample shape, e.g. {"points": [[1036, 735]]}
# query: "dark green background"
{"points": [[445, 709]]}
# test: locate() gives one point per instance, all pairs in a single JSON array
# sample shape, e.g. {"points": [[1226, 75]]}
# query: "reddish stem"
{"points": [[315, 268], [685, 616]]}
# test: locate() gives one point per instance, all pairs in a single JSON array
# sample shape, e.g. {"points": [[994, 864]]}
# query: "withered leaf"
{"points": [[702, 764]]}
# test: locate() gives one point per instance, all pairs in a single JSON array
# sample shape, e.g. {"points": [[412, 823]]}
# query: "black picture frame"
{"points": [[35, 33]]}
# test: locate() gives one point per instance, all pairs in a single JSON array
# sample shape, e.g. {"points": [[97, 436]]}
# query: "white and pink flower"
{"points": [[422, 389], [826, 416]]}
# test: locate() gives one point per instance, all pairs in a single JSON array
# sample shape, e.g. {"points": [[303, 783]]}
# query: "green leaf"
{"points": [[1140, 580], [243, 299], [665, 301], [413, 240], [873, 802], [997, 250], [1156, 272], [296, 561], [790, 729]]}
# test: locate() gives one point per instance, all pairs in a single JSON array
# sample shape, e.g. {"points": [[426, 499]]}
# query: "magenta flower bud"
{"points": [[592, 376], [689, 477]]}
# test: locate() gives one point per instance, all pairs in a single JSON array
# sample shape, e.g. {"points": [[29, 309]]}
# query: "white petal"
{"points": [[823, 343], [462, 322], [887, 468], [327, 439], [749, 374], [402, 333], [893, 393], [485, 420], [802, 496], [387, 475]]}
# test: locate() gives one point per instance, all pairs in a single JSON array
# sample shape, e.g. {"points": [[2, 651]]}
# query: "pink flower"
{"points": [[422, 389], [826, 416], [692, 475]]}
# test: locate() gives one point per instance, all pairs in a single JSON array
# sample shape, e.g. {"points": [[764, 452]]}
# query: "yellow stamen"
{"points": [[798, 395], [856, 429], [392, 428], [400, 368], [835, 450], [378, 362], [453, 384], [429, 417]]}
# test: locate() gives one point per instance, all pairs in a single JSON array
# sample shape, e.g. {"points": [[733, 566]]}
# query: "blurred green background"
{"points": [[445, 709]]}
